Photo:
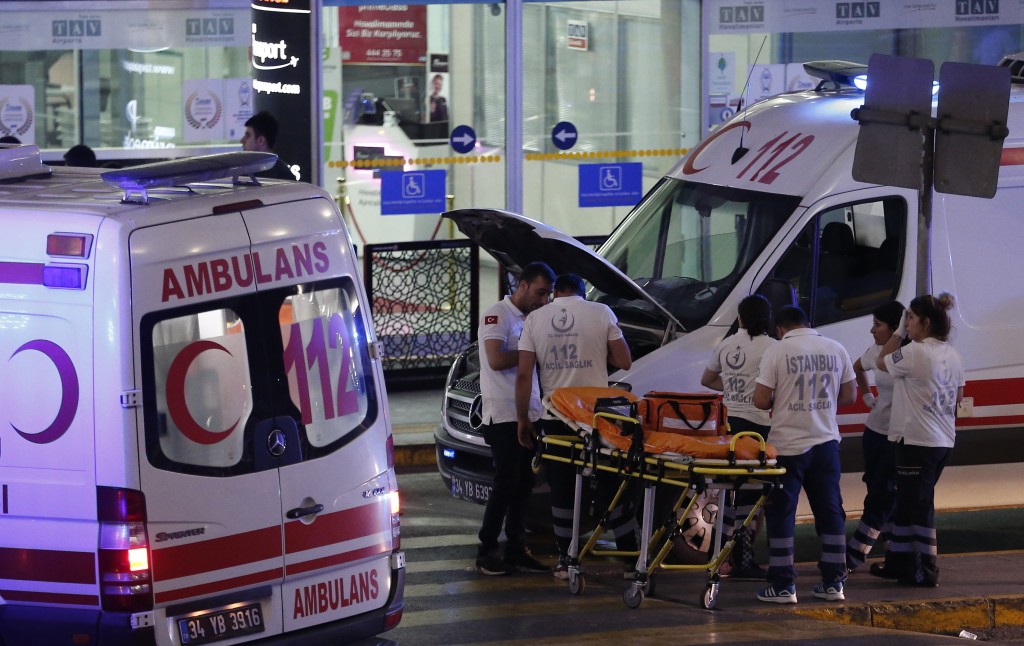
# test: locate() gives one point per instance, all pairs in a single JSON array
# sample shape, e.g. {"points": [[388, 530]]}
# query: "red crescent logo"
{"points": [[688, 167], [176, 404], [69, 390]]}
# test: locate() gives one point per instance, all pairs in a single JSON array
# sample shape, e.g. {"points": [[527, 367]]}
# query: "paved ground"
{"points": [[981, 591]]}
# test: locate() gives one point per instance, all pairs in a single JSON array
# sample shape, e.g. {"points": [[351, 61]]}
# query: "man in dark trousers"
{"points": [[499, 333], [803, 379], [570, 342], [261, 136]]}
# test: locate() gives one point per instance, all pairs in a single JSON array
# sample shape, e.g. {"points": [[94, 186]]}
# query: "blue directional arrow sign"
{"points": [[563, 135], [463, 139]]}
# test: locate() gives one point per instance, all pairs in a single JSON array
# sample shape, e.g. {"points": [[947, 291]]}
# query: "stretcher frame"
{"points": [[693, 476]]}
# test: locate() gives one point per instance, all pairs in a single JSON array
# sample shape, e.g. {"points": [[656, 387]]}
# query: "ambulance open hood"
{"points": [[516, 240]]}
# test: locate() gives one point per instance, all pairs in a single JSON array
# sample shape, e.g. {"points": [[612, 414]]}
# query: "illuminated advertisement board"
{"points": [[285, 58]]}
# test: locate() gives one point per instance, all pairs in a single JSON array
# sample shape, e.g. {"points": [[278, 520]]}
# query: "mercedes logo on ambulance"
{"points": [[276, 443]]}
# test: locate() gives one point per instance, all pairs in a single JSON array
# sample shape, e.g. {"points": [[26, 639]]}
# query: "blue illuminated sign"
{"points": [[563, 135], [611, 184], [463, 139], [419, 191]]}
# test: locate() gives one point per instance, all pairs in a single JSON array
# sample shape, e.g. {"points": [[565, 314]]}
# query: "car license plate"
{"points": [[222, 624], [473, 490]]}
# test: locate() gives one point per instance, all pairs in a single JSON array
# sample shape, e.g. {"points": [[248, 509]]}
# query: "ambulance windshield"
{"points": [[688, 244]]}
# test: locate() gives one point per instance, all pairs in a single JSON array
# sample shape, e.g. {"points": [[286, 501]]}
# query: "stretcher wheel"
{"points": [[633, 596], [577, 584], [710, 596]]}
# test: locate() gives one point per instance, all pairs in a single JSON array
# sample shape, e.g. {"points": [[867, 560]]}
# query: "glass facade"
{"points": [[603, 82]]}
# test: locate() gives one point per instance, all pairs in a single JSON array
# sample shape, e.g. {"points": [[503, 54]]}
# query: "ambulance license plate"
{"points": [[222, 624], [472, 490]]}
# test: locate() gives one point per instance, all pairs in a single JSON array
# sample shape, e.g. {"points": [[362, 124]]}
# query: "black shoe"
{"points": [[882, 572], [492, 565], [524, 560]]}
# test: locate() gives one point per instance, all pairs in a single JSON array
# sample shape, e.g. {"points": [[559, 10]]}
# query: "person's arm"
{"points": [[711, 379], [862, 384], [524, 389], [847, 393], [763, 396], [498, 358], [619, 355]]}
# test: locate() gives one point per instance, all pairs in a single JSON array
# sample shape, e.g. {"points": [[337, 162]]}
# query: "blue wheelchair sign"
{"points": [[610, 184], [412, 192]]}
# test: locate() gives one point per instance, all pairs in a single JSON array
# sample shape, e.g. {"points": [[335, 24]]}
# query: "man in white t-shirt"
{"points": [[570, 342], [498, 335], [803, 379]]}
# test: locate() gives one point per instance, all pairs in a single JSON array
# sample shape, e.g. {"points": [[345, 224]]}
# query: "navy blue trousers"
{"points": [[816, 471], [880, 501]]}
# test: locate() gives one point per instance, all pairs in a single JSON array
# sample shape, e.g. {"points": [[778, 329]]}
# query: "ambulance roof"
{"points": [[792, 139], [141, 195]]}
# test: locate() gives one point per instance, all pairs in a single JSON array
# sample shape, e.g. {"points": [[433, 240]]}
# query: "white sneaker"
{"points": [[771, 594], [829, 591]]}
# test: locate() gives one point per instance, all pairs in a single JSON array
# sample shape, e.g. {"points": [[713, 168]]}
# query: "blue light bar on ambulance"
{"points": [[136, 181], [845, 74], [839, 73]]}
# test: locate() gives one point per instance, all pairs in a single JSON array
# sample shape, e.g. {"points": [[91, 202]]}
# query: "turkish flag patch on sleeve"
{"points": [[490, 320]]}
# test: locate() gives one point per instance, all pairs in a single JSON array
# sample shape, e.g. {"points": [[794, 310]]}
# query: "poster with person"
{"points": [[437, 86]]}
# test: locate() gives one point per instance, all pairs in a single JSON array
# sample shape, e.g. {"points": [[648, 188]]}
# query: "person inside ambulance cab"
{"points": [[261, 136]]}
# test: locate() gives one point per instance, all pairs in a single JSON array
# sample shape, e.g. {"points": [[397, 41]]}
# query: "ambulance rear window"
{"points": [[222, 379], [325, 360], [203, 390]]}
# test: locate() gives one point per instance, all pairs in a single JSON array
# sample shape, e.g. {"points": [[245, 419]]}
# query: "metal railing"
{"points": [[423, 298]]}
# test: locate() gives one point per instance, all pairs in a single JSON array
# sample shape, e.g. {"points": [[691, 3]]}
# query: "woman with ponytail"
{"points": [[732, 370], [928, 378], [879, 466]]}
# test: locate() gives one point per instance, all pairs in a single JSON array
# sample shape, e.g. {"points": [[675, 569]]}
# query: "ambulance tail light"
{"points": [[396, 522], [126, 580]]}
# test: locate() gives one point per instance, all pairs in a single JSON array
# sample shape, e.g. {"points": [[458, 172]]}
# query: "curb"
{"points": [[936, 616], [415, 455]]}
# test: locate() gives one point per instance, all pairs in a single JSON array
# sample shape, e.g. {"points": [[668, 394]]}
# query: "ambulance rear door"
{"points": [[211, 484], [337, 485]]}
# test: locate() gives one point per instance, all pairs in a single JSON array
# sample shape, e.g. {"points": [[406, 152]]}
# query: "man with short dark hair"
{"points": [[498, 335], [261, 136], [803, 379], [570, 342]]}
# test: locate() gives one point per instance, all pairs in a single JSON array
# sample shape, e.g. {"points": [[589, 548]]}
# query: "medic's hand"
{"points": [[901, 329], [869, 400], [527, 435]]}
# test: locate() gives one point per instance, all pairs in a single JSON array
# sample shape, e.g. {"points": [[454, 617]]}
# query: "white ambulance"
{"points": [[195, 444], [787, 219]]}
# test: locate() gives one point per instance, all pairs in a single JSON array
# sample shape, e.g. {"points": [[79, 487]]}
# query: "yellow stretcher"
{"points": [[608, 436]]}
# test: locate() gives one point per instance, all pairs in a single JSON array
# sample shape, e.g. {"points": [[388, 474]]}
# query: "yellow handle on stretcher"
{"points": [[762, 456]]}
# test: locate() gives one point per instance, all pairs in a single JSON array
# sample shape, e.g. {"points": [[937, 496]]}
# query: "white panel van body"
{"points": [[195, 446], [786, 218]]}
